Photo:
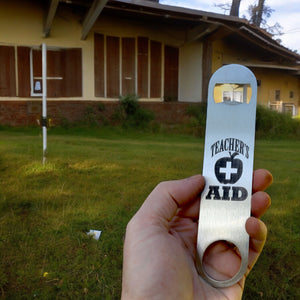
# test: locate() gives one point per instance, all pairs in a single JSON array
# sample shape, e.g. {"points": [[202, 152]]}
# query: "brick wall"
{"points": [[25, 113]]}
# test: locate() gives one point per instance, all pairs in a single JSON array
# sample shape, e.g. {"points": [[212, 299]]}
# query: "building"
{"points": [[98, 50]]}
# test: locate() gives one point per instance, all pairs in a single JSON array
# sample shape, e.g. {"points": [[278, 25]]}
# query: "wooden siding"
{"points": [[7, 71], [23, 71], [171, 73], [55, 69], [73, 72], [128, 66], [113, 66], [155, 75], [206, 68], [143, 68], [99, 65]]}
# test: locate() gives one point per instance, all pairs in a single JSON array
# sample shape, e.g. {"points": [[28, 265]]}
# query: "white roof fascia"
{"points": [[91, 17], [50, 16]]}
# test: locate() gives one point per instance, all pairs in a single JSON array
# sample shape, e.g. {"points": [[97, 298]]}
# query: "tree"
{"points": [[232, 8], [259, 14], [235, 8], [224, 6], [257, 11]]}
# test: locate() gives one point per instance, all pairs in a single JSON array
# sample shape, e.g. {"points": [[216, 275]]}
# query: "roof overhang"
{"points": [[94, 11], [151, 8], [273, 66], [198, 24], [267, 42], [50, 16], [92, 16]]}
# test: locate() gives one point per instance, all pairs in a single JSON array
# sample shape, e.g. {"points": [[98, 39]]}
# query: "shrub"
{"points": [[129, 104], [90, 117], [197, 114], [270, 124], [130, 114], [93, 116]]}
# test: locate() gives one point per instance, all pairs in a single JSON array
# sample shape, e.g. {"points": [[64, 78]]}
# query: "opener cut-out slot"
{"points": [[232, 93], [221, 260]]}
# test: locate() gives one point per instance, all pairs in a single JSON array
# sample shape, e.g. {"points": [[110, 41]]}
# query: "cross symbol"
{"points": [[228, 170]]}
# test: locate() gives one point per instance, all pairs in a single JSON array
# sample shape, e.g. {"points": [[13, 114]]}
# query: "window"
{"points": [[7, 71], [232, 93], [113, 66], [23, 55], [276, 106], [143, 66], [64, 72], [130, 65], [155, 69], [289, 108], [171, 73], [277, 95], [99, 65], [291, 94]]}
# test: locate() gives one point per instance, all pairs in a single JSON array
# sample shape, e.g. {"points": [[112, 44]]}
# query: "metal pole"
{"points": [[44, 104]]}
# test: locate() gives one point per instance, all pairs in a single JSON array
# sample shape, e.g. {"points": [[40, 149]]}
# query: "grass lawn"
{"points": [[97, 179]]}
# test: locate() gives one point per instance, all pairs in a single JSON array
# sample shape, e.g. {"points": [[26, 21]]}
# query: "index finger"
{"points": [[167, 197]]}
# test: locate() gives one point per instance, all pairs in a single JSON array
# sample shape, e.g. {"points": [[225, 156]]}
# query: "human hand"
{"points": [[160, 245]]}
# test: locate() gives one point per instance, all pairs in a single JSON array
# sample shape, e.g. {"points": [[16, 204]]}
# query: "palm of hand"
{"points": [[160, 245], [222, 261]]}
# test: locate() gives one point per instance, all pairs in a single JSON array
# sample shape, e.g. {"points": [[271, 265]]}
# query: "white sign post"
{"points": [[39, 89], [44, 103]]}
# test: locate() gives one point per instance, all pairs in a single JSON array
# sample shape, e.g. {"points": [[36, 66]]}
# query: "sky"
{"points": [[286, 13]]}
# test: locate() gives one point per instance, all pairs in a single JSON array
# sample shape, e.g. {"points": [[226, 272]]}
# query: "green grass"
{"points": [[97, 179]]}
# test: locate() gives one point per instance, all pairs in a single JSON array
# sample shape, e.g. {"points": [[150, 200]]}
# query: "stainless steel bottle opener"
{"points": [[228, 165]]}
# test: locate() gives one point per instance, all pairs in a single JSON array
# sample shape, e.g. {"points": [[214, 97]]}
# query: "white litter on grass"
{"points": [[95, 234]]}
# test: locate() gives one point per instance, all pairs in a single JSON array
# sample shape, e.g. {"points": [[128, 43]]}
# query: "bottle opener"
{"points": [[228, 165]]}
